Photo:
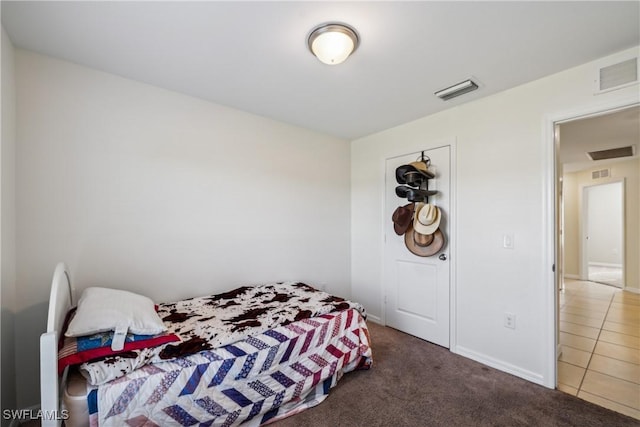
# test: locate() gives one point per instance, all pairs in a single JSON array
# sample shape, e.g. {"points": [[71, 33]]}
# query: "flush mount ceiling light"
{"points": [[456, 90], [332, 43]]}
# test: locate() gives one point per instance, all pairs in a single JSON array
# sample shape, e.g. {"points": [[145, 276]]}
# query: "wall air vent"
{"points": [[456, 90], [603, 173], [618, 75], [612, 153]]}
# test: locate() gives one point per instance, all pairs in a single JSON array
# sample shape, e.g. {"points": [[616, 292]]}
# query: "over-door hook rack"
{"points": [[424, 159]]}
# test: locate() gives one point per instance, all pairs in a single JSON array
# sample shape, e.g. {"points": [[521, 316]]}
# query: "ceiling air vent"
{"points": [[617, 75], [456, 90], [612, 153]]}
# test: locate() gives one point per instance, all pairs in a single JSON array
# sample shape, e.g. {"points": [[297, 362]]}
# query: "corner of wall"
{"points": [[7, 230]]}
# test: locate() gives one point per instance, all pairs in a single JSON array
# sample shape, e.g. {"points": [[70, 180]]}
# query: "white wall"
{"points": [[7, 231], [501, 188], [141, 188]]}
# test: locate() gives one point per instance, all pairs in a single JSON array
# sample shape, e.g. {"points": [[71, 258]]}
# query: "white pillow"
{"points": [[103, 309]]}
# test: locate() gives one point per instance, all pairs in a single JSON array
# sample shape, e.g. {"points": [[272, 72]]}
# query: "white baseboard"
{"points": [[374, 319], [605, 264], [632, 290], [572, 276], [500, 365]]}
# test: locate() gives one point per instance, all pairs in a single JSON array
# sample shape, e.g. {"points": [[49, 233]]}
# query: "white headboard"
{"points": [[60, 301]]}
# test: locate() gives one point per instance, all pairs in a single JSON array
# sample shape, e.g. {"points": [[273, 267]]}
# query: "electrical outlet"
{"points": [[508, 241], [510, 320]]}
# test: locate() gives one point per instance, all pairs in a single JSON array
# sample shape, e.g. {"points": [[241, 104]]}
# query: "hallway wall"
{"points": [[573, 184]]}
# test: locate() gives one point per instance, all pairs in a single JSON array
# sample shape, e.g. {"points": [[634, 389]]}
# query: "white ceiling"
{"points": [[253, 55], [612, 130]]}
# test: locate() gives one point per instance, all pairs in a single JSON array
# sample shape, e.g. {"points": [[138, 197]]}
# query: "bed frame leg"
{"points": [[49, 385]]}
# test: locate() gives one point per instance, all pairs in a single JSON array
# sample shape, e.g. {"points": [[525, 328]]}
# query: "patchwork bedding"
{"points": [[210, 322], [76, 350], [257, 379]]}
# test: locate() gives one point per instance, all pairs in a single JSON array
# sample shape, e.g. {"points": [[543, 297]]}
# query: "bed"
{"points": [[254, 373]]}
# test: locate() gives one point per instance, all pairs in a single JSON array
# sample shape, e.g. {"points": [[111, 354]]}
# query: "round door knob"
{"points": [[443, 257]]}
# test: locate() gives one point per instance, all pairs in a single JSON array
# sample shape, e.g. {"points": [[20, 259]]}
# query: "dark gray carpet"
{"points": [[416, 383]]}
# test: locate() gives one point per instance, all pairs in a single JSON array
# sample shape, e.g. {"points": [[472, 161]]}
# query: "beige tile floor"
{"points": [[600, 345]]}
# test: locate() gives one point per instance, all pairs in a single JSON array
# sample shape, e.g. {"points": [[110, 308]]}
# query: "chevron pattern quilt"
{"points": [[255, 381], [212, 321]]}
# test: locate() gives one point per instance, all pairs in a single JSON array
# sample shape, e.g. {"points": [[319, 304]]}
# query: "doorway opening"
{"points": [[602, 242], [597, 237]]}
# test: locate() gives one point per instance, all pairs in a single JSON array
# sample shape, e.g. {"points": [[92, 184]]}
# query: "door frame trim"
{"points": [[550, 211], [417, 147]]}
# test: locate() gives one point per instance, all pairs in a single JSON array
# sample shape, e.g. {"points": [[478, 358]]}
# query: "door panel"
{"points": [[417, 288], [416, 283]]}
